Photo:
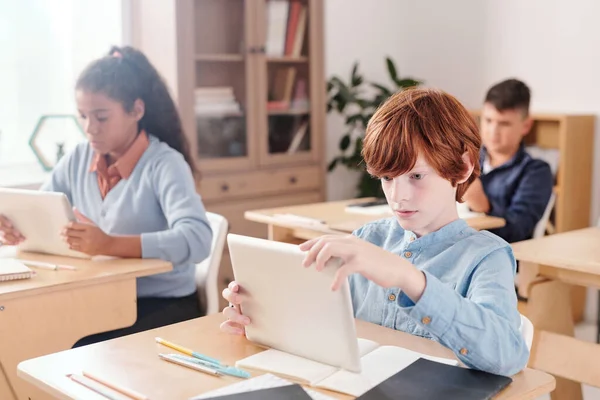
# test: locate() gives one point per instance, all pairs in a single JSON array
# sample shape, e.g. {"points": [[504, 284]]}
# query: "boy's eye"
{"points": [[101, 119], [386, 178], [416, 177]]}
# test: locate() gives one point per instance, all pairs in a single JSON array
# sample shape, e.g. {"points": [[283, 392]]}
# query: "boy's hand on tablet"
{"points": [[384, 268], [236, 321], [9, 235]]}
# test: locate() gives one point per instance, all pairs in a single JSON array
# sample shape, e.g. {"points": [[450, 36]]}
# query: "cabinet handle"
{"points": [[293, 180], [225, 187]]}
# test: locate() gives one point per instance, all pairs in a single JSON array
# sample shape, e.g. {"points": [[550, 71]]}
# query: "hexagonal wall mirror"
{"points": [[54, 136]]}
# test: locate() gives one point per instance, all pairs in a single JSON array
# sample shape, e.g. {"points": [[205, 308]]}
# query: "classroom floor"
{"points": [[584, 331]]}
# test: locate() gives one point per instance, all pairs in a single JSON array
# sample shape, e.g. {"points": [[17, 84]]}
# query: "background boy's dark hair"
{"points": [[511, 94]]}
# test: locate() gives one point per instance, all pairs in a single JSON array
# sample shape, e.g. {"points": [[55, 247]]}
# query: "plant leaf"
{"points": [[407, 83], [355, 78], [391, 69], [330, 86], [384, 91], [352, 119], [332, 164], [345, 142]]}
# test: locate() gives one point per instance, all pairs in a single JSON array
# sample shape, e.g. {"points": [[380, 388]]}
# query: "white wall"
{"points": [[465, 46], [368, 31]]}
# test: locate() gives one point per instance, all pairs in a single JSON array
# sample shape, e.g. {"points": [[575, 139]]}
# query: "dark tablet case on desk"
{"points": [[426, 380], [289, 392]]}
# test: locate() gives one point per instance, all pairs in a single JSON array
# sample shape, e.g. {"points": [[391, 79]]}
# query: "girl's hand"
{"points": [[9, 235], [236, 321], [86, 238], [358, 256]]}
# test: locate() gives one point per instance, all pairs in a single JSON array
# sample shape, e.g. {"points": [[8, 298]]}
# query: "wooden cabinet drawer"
{"points": [[269, 182]]}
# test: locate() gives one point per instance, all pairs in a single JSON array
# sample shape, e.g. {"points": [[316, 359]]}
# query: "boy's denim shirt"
{"points": [[469, 304]]}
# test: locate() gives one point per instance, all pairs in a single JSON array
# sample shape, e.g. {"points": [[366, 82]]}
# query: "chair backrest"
{"points": [[540, 227], [527, 331], [207, 271]]}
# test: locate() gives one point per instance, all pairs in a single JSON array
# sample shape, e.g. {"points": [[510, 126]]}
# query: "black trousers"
{"points": [[153, 312]]}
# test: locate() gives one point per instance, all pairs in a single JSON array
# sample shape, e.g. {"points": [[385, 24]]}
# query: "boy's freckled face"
{"points": [[422, 200]]}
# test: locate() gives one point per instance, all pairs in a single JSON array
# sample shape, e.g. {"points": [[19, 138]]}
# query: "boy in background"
{"points": [[512, 185]]}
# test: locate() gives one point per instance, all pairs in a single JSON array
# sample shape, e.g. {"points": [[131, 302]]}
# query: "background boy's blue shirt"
{"points": [[158, 201], [469, 304], [518, 191]]}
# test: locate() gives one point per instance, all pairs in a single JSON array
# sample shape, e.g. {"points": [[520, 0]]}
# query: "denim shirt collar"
{"points": [[447, 231]]}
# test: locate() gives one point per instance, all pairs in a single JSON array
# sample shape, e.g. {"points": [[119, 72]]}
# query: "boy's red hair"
{"points": [[422, 121]]}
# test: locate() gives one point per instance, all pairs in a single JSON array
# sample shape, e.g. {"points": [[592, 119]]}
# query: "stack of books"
{"points": [[216, 101]]}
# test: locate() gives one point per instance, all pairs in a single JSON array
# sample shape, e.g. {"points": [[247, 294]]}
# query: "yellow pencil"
{"points": [[186, 351]]}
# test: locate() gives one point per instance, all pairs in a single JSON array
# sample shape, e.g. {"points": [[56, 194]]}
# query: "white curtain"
{"points": [[44, 45]]}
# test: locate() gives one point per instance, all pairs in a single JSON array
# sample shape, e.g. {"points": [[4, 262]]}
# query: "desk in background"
{"points": [[132, 361], [52, 310], [337, 220], [549, 266]]}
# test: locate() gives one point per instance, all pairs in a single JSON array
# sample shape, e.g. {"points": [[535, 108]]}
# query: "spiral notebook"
{"points": [[11, 269]]}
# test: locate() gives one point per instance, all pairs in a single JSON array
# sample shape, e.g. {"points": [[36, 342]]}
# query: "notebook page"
{"points": [[265, 381], [366, 346], [377, 366], [288, 365]]}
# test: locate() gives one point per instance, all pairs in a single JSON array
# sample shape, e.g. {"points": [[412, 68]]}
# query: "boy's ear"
{"points": [[527, 124], [470, 166]]}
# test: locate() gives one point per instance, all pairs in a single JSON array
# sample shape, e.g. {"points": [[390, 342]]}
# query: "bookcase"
{"points": [[248, 78], [567, 141]]}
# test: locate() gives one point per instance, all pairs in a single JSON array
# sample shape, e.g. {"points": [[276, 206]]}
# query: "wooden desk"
{"points": [[52, 310], [337, 220], [549, 266], [132, 361]]}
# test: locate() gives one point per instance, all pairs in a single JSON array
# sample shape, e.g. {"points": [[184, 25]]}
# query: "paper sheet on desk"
{"points": [[265, 381]]}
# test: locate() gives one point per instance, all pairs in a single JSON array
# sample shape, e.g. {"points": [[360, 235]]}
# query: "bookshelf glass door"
{"points": [[221, 103], [284, 77]]}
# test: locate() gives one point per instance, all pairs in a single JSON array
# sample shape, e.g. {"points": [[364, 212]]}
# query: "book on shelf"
{"points": [[210, 101], [283, 84], [298, 137], [286, 27], [378, 364], [277, 18]]}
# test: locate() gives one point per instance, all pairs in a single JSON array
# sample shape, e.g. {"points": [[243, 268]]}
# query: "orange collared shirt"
{"points": [[109, 176]]}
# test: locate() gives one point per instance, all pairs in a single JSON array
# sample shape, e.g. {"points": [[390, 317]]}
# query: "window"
{"points": [[45, 45]]}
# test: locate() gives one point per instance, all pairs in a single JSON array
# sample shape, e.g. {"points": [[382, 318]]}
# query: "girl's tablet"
{"points": [[40, 217], [292, 308]]}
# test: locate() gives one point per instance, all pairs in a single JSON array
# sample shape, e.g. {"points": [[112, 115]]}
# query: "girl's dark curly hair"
{"points": [[126, 75]]}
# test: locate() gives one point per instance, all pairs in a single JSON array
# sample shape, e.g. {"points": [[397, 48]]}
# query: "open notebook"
{"points": [[378, 364], [11, 269]]}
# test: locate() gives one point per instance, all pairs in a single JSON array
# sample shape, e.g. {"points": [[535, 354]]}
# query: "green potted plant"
{"points": [[357, 100]]}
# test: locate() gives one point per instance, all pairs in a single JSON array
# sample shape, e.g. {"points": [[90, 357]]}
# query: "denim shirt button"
{"points": [[407, 254], [392, 297]]}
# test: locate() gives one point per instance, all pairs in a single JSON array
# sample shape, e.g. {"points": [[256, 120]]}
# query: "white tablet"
{"points": [[40, 217], [292, 308]]}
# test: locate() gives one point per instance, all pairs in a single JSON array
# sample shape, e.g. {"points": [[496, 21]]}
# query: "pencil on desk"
{"points": [[187, 351], [128, 392], [96, 387], [46, 265], [197, 367]]}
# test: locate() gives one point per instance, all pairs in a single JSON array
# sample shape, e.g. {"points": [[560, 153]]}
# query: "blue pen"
{"points": [[233, 371]]}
